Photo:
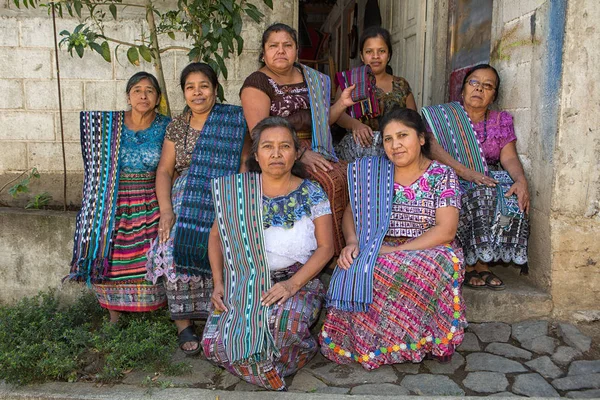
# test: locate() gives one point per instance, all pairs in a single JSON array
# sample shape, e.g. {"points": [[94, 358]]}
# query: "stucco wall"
{"points": [[29, 123]]}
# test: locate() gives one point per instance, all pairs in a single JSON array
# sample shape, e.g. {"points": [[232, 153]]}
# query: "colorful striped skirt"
{"points": [[335, 184], [290, 326], [188, 296], [481, 241], [136, 224], [417, 310]]}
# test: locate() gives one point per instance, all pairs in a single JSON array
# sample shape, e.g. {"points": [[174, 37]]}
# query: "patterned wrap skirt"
{"points": [[335, 184], [188, 296], [417, 310], [348, 150], [482, 238], [290, 326], [136, 224]]}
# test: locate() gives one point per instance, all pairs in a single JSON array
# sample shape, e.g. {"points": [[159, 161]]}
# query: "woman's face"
{"points": [[280, 51], [276, 153], [376, 54], [480, 89], [199, 93], [402, 144], [143, 97]]}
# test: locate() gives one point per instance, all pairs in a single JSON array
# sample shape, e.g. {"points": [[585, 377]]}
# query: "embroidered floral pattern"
{"points": [[284, 211]]}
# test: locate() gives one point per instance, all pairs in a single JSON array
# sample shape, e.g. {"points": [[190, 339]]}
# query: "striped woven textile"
{"points": [[246, 275], [319, 94], [454, 131], [217, 153], [367, 105], [371, 187], [100, 144]]}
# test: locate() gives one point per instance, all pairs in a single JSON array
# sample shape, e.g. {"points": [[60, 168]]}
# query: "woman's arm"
{"points": [[282, 291], [511, 163], [410, 102], [215, 257], [438, 153], [256, 105], [339, 107], [164, 180], [444, 231], [350, 252]]}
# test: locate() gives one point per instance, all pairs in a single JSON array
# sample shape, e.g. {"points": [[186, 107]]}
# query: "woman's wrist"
{"points": [[302, 152]]}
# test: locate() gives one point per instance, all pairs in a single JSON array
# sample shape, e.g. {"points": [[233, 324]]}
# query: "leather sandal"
{"points": [[470, 275], [188, 335], [488, 277]]}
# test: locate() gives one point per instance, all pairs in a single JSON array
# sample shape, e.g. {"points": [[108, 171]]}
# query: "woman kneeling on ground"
{"points": [[395, 294], [271, 237]]}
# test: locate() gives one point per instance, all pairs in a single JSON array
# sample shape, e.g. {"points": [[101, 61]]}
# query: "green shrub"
{"points": [[40, 341]]}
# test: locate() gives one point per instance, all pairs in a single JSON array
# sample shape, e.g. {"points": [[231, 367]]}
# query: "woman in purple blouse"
{"points": [[484, 235]]}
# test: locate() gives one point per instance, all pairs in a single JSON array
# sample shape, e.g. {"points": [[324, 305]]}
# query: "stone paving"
{"points": [[531, 358]]}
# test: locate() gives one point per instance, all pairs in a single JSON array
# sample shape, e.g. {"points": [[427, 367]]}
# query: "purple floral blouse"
{"points": [[414, 207], [500, 132]]}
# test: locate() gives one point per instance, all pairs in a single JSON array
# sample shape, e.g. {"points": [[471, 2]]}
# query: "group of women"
{"points": [[228, 214]]}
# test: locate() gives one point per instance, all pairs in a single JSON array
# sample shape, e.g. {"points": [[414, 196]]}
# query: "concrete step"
{"points": [[519, 301]]}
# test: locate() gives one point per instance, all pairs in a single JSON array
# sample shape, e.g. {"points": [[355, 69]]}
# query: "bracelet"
{"points": [[302, 155]]}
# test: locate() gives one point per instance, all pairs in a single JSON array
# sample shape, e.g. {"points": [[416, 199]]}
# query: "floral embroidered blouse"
{"points": [[288, 224], [493, 136], [397, 97], [414, 207], [140, 150]]}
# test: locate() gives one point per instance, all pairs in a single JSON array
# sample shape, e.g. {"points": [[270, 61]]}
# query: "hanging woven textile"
{"points": [[364, 94]]}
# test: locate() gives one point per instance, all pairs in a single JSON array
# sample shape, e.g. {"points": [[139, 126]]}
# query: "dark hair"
{"points": [[137, 77], [410, 118], [482, 66], [203, 68], [372, 32], [276, 27], [274, 122]]}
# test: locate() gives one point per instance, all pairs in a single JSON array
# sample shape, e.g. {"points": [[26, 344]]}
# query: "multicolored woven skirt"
{"points": [[136, 223], [290, 326], [481, 237], [335, 185], [417, 309], [188, 296]]}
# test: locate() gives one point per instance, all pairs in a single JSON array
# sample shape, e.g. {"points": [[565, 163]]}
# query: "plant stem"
{"points": [[174, 48], [156, 50], [12, 180]]}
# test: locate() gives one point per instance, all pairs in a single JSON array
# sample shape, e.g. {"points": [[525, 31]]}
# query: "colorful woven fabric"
{"points": [[453, 130], [100, 143], [417, 310], [289, 325], [319, 94], [364, 94], [217, 153], [371, 187], [246, 276]]}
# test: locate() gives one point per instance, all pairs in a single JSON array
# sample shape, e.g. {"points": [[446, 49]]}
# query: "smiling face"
{"points": [[143, 96], [375, 53], [477, 96], [199, 93], [402, 144], [275, 152], [280, 51]]}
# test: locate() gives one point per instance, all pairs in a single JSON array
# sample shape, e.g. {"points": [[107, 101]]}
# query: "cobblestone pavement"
{"points": [[531, 358]]}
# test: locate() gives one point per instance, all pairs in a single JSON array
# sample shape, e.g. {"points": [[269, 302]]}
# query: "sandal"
{"points": [[470, 275], [488, 277], [188, 335]]}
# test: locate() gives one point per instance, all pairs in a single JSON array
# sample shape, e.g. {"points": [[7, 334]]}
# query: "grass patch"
{"points": [[42, 341]]}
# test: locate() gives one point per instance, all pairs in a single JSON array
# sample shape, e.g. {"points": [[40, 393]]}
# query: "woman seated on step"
{"points": [[271, 237], [395, 294]]}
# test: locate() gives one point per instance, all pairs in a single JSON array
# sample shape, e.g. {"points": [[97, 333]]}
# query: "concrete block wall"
{"points": [[29, 118]]}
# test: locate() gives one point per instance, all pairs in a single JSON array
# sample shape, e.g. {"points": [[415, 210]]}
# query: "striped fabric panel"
{"points": [[246, 275], [371, 187], [454, 131], [364, 94], [319, 94], [100, 144], [217, 153]]}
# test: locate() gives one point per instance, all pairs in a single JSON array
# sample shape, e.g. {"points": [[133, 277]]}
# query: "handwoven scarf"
{"points": [[371, 188], [100, 144], [367, 105], [454, 131], [319, 94], [216, 153], [246, 275]]}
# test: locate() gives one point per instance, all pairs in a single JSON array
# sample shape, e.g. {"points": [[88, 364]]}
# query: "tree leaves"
{"points": [[133, 56], [113, 10], [145, 53]]}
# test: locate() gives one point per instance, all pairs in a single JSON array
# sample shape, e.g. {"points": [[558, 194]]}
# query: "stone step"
{"points": [[518, 302]]}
